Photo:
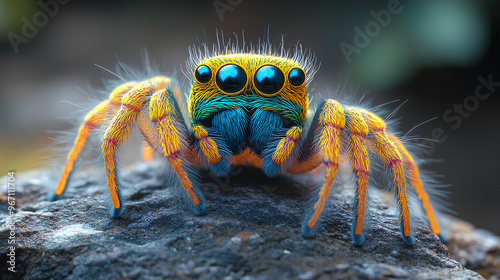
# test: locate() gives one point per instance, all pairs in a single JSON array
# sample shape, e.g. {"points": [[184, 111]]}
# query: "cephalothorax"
{"points": [[252, 106]]}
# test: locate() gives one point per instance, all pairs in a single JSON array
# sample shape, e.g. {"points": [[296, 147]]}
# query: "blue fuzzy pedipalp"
{"points": [[232, 125], [263, 125]]}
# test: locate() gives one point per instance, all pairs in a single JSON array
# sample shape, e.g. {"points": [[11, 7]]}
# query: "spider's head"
{"points": [[250, 82]]}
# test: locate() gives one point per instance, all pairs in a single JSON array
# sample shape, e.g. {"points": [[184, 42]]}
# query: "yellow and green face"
{"points": [[250, 82]]}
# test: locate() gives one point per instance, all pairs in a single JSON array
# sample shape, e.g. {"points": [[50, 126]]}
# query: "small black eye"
{"points": [[231, 78], [203, 74], [296, 76], [269, 79]]}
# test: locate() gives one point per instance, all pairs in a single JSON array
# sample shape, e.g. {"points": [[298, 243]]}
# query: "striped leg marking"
{"points": [[286, 145], [119, 128], [172, 136], [390, 156], [416, 182], [101, 112], [360, 163], [331, 121], [207, 145]]}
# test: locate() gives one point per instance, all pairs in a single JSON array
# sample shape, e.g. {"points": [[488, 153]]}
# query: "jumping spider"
{"points": [[251, 106]]}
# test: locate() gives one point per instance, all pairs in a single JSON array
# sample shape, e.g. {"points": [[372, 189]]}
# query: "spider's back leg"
{"points": [[416, 182], [391, 157], [357, 130]]}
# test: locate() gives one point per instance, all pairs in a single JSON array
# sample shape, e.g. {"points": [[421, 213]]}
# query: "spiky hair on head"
{"points": [[304, 57]]}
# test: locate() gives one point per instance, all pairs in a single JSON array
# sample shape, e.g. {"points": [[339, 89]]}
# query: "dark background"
{"points": [[430, 53]]}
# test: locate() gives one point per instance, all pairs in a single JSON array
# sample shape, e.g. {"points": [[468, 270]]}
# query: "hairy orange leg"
{"points": [[158, 83], [331, 122], [171, 133], [391, 157], [416, 182], [286, 145], [162, 82], [117, 131], [360, 163], [101, 112], [310, 161], [207, 145]]}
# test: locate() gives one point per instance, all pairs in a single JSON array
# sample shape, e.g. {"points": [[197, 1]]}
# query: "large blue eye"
{"points": [[231, 78], [296, 76], [269, 79], [203, 74]]}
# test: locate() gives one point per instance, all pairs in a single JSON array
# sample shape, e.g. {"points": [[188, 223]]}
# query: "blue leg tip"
{"points": [[358, 239], [444, 238], [306, 230], [52, 196], [410, 240], [201, 207], [116, 212], [198, 209]]}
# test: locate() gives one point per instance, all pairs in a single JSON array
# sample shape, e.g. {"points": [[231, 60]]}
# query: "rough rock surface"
{"points": [[251, 231], [476, 249]]}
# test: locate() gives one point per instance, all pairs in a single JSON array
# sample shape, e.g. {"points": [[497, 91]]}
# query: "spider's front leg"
{"points": [[123, 121], [100, 113], [166, 131], [328, 124], [161, 123], [358, 124], [334, 123]]}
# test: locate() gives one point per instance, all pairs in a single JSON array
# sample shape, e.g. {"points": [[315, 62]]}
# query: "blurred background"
{"points": [[439, 55]]}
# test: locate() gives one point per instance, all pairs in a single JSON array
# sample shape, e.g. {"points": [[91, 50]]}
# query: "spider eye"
{"points": [[203, 74], [269, 79], [231, 78], [296, 76]]}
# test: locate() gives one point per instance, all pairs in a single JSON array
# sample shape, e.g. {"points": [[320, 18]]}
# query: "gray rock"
{"points": [[251, 231], [476, 249]]}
